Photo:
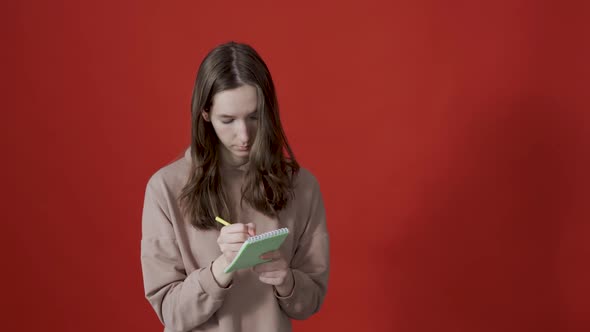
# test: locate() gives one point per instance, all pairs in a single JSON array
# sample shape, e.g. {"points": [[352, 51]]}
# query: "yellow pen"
{"points": [[221, 221]]}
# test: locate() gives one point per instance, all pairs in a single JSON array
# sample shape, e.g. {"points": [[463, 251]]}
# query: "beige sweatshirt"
{"points": [[176, 259]]}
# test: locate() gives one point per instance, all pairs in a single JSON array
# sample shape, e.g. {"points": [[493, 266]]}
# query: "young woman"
{"points": [[240, 167]]}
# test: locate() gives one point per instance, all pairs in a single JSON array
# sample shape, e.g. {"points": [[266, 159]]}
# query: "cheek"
{"points": [[219, 131], [253, 128], [222, 131]]}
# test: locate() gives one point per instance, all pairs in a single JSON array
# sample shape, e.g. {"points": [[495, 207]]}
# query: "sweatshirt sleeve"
{"points": [[310, 263], [182, 302]]}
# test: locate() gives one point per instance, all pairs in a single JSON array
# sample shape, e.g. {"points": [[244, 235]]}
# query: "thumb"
{"points": [[251, 229]]}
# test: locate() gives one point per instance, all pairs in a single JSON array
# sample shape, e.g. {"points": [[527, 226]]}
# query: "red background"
{"points": [[450, 138]]}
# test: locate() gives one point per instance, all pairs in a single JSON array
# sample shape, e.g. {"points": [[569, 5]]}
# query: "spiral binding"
{"points": [[266, 235]]}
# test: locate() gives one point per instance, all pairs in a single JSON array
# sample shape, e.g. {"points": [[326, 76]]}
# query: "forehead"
{"points": [[235, 102]]}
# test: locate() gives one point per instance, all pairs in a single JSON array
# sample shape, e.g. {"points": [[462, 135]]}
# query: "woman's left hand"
{"points": [[276, 272]]}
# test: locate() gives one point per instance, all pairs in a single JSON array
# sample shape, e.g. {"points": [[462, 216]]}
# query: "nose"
{"points": [[243, 134]]}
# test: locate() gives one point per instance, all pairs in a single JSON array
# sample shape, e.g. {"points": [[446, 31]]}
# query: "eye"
{"points": [[254, 116], [228, 121]]}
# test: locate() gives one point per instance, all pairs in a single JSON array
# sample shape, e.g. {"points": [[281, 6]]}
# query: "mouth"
{"points": [[242, 148]]}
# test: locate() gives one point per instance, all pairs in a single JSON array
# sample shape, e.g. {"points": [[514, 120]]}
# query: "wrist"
{"points": [[286, 288], [223, 279]]}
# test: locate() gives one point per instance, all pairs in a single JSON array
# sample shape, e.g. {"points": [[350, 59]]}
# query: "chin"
{"points": [[242, 154]]}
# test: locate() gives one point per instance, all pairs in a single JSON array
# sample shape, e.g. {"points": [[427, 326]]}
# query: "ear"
{"points": [[205, 116]]}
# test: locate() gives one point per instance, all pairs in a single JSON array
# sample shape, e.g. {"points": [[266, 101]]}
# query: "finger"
{"points": [[230, 247], [235, 228], [271, 281], [232, 238], [274, 274], [251, 228], [265, 267], [270, 266], [271, 255]]}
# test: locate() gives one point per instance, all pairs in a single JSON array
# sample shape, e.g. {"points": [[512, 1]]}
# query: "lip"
{"points": [[242, 148]]}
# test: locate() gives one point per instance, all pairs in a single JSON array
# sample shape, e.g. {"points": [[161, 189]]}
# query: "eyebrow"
{"points": [[231, 116]]}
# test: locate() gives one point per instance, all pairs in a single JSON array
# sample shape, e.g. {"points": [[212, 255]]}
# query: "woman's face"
{"points": [[234, 117]]}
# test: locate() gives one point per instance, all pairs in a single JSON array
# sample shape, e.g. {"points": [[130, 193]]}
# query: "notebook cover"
{"points": [[249, 254]]}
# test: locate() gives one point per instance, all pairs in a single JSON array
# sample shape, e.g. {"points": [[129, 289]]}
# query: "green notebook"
{"points": [[249, 254]]}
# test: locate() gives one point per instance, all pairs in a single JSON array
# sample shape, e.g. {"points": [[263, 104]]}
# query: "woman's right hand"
{"points": [[230, 241], [232, 237]]}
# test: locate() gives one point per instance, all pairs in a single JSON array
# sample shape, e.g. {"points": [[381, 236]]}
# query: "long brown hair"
{"points": [[268, 182]]}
